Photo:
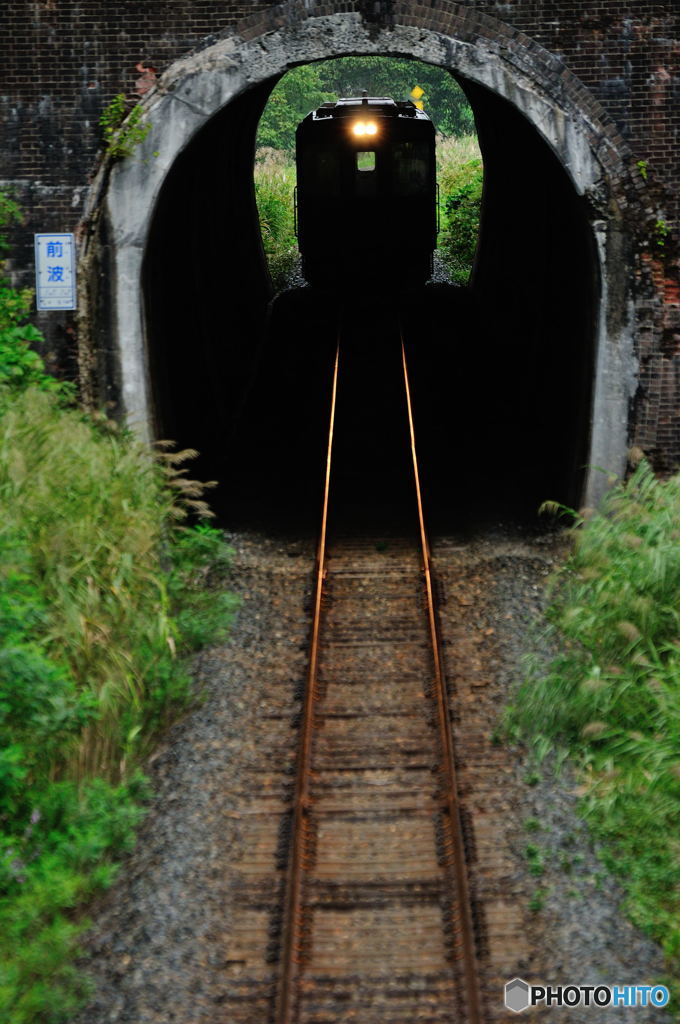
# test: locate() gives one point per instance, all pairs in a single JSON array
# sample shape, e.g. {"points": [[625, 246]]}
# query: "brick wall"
{"points": [[63, 60]]}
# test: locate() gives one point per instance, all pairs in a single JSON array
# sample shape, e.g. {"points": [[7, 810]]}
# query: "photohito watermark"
{"points": [[519, 995]]}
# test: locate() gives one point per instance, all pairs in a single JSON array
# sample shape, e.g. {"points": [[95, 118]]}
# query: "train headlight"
{"points": [[365, 128]]}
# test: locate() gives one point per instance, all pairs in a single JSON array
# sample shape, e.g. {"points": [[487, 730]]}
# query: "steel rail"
{"points": [[451, 804], [292, 938]]}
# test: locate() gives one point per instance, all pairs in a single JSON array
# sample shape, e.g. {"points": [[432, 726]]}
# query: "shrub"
{"points": [[122, 128], [102, 590], [612, 694], [461, 181], [300, 90], [274, 189], [307, 86], [461, 178], [93, 631], [19, 364]]}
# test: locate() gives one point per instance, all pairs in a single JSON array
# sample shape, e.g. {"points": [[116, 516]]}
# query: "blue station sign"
{"points": [[55, 271]]}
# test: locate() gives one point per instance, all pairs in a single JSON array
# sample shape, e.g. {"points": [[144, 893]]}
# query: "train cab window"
{"points": [[410, 166], [366, 161], [321, 171], [365, 173]]}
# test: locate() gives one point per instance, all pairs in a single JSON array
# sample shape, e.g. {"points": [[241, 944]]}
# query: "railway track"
{"points": [[377, 918]]}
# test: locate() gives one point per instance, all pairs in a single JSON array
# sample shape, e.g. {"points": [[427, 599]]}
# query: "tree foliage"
{"points": [[611, 695], [461, 182], [443, 98], [298, 92], [19, 364], [308, 86]]}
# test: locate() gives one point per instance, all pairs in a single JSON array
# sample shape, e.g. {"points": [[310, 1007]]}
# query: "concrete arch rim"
{"points": [[198, 86]]}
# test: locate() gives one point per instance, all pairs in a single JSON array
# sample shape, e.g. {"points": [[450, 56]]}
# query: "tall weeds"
{"points": [[90, 509], [275, 179], [101, 594], [454, 151], [461, 180], [460, 174], [612, 695]]}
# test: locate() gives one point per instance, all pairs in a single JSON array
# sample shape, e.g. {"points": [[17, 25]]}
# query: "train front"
{"points": [[366, 195]]}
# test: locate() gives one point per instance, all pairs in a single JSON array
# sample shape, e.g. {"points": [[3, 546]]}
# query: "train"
{"points": [[366, 197]]}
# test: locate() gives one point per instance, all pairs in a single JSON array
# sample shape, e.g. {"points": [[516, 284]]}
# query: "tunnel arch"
{"points": [[226, 84]]}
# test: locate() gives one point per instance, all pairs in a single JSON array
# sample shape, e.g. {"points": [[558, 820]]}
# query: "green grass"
{"points": [[103, 592], [460, 174], [275, 179], [535, 859], [611, 697], [86, 513], [537, 901], [461, 178]]}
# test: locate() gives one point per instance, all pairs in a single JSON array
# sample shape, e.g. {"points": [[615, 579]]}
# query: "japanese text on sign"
{"points": [[55, 273]]}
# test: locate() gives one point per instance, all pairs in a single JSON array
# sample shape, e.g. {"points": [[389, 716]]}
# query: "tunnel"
{"points": [[502, 369]]}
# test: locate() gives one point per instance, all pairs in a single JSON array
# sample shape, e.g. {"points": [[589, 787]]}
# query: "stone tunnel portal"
{"points": [[512, 358]]}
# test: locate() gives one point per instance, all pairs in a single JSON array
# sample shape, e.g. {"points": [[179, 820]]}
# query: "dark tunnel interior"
{"points": [[502, 370]]}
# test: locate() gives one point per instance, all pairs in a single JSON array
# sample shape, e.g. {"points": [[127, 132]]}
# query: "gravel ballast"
{"points": [[166, 943]]}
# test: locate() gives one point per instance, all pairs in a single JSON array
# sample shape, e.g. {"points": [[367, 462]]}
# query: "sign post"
{"points": [[55, 271]]}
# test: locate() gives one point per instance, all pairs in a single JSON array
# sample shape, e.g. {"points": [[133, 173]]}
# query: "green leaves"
{"points": [[612, 694], [274, 186], [93, 627], [92, 631], [306, 87], [122, 134], [661, 233], [20, 365], [461, 184], [48, 866], [203, 614], [300, 90], [9, 213]]}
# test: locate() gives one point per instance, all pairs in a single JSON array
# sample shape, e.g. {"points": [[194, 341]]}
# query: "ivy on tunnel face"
{"points": [[122, 129]]}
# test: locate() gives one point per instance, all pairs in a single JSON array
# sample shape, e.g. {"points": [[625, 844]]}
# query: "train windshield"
{"points": [[366, 161], [365, 174], [410, 168]]}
